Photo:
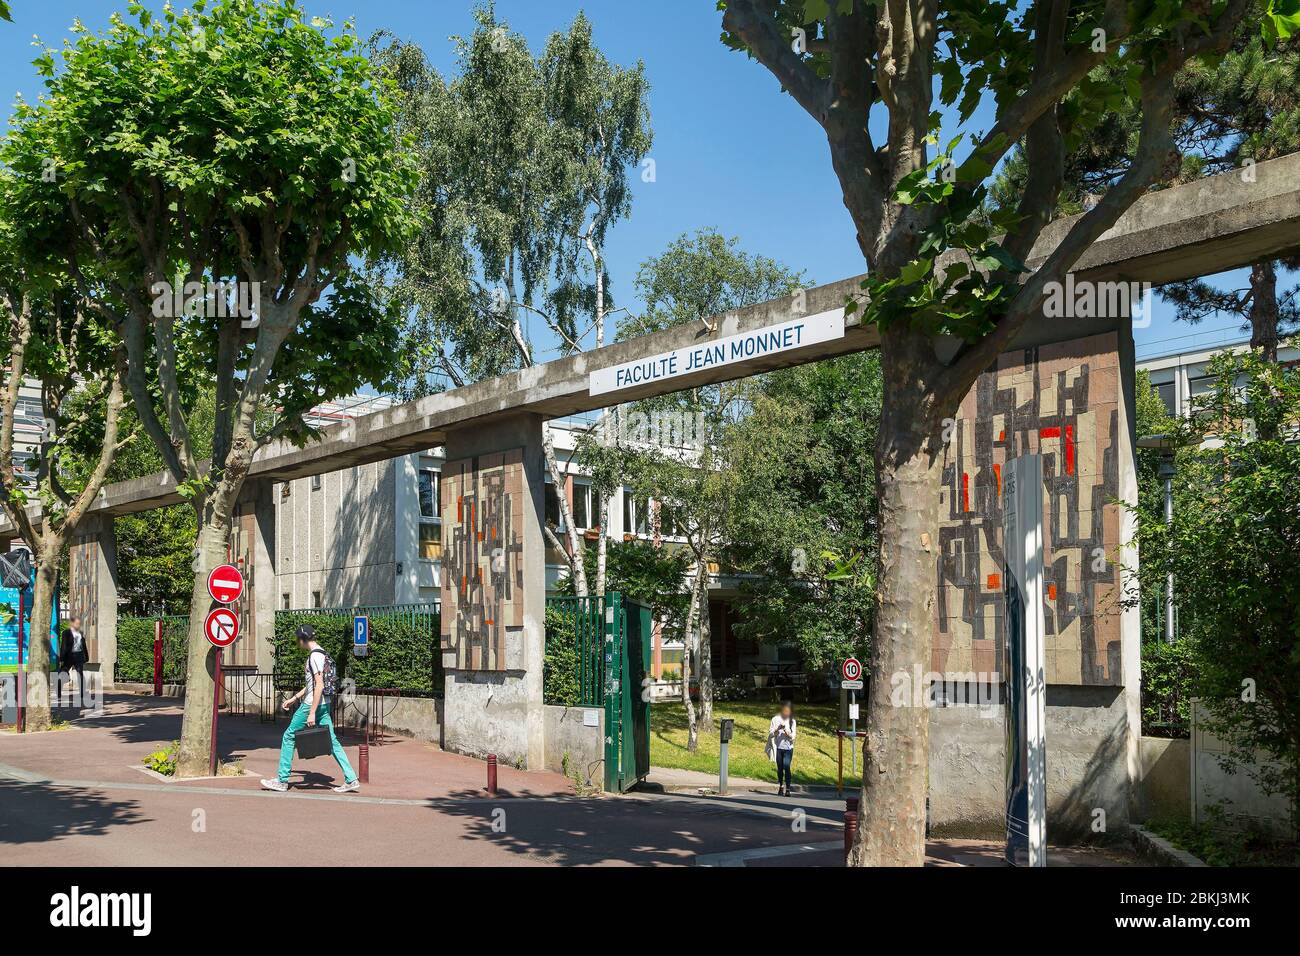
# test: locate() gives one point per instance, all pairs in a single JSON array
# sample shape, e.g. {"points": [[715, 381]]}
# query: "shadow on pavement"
{"points": [[640, 832], [37, 813]]}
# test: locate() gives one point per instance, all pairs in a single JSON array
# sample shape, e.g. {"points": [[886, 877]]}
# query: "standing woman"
{"points": [[780, 745]]}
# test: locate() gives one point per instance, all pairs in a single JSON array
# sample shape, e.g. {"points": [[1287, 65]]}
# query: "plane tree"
{"points": [[66, 358], [877, 77], [224, 168]]}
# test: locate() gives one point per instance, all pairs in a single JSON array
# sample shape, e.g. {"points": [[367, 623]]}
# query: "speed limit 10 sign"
{"points": [[851, 669]]}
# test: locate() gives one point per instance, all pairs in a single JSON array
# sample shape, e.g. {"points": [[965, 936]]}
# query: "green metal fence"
{"points": [[575, 638], [598, 655]]}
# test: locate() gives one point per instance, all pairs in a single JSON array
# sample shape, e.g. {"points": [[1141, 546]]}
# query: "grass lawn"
{"points": [[815, 747]]}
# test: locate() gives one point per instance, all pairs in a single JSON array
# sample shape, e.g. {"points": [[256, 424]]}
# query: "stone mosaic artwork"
{"points": [[1061, 401], [83, 588], [482, 558]]}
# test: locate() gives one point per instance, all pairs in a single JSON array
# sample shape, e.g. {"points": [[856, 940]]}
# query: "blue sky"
{"points": [[731, 151]]}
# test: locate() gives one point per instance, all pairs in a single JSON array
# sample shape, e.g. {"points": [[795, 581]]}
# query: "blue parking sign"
{"points": [[361, 630]]}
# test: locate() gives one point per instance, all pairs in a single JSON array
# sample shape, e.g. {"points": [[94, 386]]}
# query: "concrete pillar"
{"points": [[253, 549], [91, 591], [494, 590]]}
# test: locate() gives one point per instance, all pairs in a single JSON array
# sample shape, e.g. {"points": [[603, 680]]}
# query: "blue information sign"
{"points": [[361, 630]]}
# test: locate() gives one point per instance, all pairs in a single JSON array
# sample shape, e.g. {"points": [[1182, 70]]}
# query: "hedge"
{"points": [[560, 667], [135, 649], [403, 654]]}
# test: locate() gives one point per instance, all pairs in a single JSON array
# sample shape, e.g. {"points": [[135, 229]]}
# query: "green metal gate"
{"points": [[612, 645]]}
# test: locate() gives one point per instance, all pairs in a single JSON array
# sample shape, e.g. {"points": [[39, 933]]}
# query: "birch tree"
{"points": [[914, 196], [525, 166], [239, 146], [677, 449]]}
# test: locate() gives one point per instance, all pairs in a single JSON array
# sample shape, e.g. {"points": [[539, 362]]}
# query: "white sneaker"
{"points": [[352, 787], [279, 786]]}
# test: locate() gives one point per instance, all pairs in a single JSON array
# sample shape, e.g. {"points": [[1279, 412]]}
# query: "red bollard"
{"points": [[157, 658], [850, 831], [363, 762], [492, 775]]}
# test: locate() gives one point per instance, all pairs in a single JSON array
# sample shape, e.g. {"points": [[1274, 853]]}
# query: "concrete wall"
{"points": [[1237, 795], [416, 717], [337, 538], [1087, 738], [1164, 787], [568, 734], [501, 711]]}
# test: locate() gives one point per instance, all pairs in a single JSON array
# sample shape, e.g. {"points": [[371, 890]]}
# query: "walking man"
{"points": [[318, 684]]}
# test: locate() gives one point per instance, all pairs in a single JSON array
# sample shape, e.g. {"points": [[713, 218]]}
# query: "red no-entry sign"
{"points": [[225, 584], [851, 669], [221, 626]]}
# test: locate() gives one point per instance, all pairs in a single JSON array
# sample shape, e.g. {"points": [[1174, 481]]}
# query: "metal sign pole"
{"points": [[853, 721], [20, 678], [216, 707]]}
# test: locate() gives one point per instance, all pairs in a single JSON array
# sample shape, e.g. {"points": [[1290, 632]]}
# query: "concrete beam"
{"points": [[1208, 226]]}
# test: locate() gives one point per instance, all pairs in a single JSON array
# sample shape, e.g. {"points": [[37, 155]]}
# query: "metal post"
{"points": [[363, 762], [20, 678], [492, 775], [722, 768], [839, 779], [1167, 473], [216, 704], [853, 721]]}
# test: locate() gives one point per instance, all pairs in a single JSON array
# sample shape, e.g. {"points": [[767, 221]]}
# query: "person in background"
{"points": [[318, 684], [780, 745], [74, 655]]}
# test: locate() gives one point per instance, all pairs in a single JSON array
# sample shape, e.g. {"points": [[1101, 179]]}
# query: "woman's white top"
{"points": [[781, 733]]}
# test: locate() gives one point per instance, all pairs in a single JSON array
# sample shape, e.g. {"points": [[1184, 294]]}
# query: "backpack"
{"points": [[327, 674]]}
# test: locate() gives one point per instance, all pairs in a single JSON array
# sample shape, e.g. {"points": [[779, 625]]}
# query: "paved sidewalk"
{"points": [[110, 747], [675, 780], [77, 797]]}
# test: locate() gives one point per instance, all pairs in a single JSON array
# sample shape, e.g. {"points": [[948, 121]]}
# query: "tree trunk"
{"points": [[706, 654], [194, 755], [692, 730], [1263, 308], [46, 578], [891, 829], [602, 543], [577, 566]]}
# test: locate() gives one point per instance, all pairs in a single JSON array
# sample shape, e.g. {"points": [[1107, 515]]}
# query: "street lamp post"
{"points": [[1166, 445], [1167, 473]]}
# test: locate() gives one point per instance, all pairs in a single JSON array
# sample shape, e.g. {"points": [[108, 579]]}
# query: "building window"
{"points": [[430, 506], [635, 514], [582, 510], [284, 601], [315, 599], [430, 515], [315, 482], [1166, 392], [552, 507]]}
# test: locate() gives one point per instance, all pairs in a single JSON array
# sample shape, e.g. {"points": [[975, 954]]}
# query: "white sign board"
{"points": [[783, 337], [1022, 589], [851, 685]]}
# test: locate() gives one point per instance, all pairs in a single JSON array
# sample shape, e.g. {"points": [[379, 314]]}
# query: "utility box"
{"points": [[724, 729]]}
